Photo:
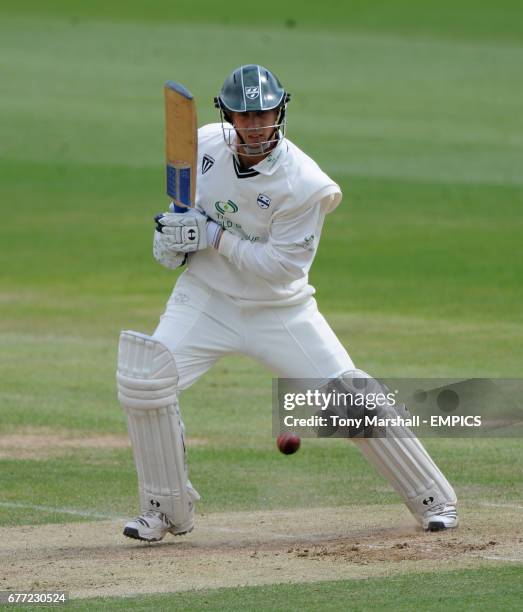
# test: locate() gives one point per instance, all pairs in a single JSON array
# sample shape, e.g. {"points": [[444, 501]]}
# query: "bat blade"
{"points": [[181, 144]]}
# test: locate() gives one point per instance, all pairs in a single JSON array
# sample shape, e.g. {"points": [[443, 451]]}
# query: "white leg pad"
{"points": [[410, 471], [401, 458], [147, 389]]}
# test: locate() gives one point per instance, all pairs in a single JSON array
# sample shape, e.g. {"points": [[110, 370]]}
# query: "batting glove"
{"points": [[183, 232]]}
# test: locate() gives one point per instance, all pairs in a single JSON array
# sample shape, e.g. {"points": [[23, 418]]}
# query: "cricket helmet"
{"points": [[252, 88]]}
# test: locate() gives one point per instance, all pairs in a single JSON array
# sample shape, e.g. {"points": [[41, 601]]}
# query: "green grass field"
{"points": [[414, 109]]}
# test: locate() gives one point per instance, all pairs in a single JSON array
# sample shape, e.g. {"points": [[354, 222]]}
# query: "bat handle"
{"points": [[177, 209]]}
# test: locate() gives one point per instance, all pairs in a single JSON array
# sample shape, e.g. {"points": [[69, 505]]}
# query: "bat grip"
{"points": [[177, 209]]}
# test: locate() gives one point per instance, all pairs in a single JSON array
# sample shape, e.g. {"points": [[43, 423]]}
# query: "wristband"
{"points": [[214, 234]]}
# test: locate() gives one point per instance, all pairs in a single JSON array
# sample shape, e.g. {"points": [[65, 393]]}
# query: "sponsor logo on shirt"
{"points": [[263, 201], [307, 243], [226, 207], [272, 159], [207, 163], [180, 298]]}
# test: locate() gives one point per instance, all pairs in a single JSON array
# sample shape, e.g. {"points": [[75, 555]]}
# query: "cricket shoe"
{"points": [[444, 516], [152, 526]]}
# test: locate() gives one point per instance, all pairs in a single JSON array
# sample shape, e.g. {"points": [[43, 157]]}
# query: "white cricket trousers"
{"points": [[200, 325]]}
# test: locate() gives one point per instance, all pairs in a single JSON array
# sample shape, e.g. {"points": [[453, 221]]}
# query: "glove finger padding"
{"points": [[165, 254], [170, 219]]}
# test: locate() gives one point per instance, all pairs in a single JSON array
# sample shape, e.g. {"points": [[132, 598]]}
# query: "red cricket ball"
{"points": [[288, 443]]}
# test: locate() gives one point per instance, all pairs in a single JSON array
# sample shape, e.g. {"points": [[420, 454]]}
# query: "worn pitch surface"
{"points": [[250, 548]]}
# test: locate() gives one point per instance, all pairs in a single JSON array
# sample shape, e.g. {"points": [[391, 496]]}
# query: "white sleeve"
{"points": [[293, 240]]}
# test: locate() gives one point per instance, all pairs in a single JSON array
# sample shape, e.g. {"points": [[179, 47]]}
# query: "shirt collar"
{"points": [[274, 160]]}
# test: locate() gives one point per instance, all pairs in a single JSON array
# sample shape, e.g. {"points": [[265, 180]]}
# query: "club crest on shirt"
{"points": [[263, 201], [207, 163], [252, 92]]}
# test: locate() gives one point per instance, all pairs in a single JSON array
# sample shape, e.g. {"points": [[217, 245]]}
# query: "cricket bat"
{"points": [[181, 145]]}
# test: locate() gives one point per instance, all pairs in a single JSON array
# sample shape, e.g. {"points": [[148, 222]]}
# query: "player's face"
{"points": [[255, 128]]}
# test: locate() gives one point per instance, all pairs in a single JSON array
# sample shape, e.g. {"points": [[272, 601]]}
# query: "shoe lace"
{"points": [[155, 514], [442, 510], [150, 514]]}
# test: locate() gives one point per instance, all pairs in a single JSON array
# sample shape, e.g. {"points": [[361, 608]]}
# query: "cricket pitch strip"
{"points": [[90, 559]]}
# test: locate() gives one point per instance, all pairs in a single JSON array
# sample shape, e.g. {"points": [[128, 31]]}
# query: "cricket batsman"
{"points": [[247, 246]]}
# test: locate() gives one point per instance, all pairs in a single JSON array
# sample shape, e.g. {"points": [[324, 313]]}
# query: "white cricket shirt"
{"points": [[272, 213]]}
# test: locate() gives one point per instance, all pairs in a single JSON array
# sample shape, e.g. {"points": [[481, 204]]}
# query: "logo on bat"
{"points": [[252, 92]]}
